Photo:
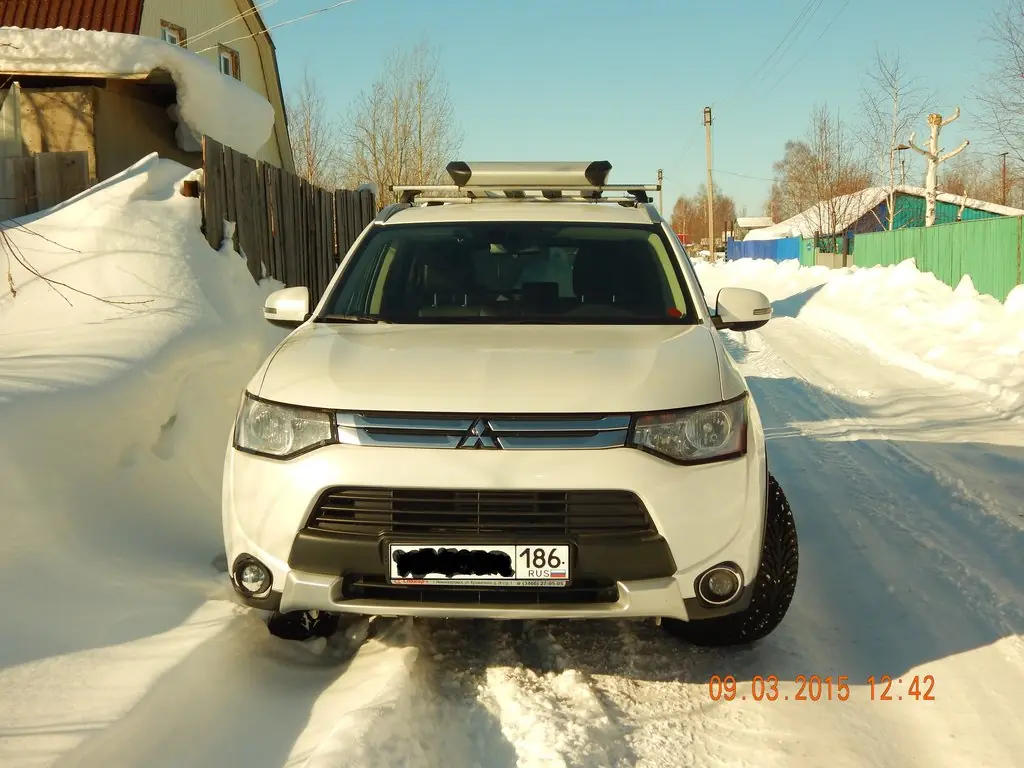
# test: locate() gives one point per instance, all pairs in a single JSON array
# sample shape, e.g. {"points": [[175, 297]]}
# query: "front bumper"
{"points": [[636, 599], [703, 515]]}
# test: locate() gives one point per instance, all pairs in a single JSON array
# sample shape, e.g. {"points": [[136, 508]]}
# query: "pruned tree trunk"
{"points": [[935, 124]]}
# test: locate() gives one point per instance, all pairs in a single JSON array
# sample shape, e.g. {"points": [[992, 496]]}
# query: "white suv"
{"points": [[511, 402]]}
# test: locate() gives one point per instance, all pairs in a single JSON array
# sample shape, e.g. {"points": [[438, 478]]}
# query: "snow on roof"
{"points": [[848, 209], [208, 102]]}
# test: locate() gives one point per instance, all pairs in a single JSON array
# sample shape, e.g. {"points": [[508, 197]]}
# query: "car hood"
{"points": [[494, 368]]}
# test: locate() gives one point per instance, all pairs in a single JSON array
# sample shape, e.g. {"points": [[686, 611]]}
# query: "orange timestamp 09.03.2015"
{"points": [[817, 688]]}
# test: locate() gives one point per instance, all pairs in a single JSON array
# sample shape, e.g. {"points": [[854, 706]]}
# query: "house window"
{"points": [[228, 58], [172, 33]]}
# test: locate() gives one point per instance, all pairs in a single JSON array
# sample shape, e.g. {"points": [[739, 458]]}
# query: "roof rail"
{"points": [[503, 180]]}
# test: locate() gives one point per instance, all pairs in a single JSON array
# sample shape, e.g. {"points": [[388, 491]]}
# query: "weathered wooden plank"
{"points": [[213, 192], [327, 236], [60, 176], [263, 214], [274, 206], [293, 230], [20, 186], [341, 221], [230, 200]]}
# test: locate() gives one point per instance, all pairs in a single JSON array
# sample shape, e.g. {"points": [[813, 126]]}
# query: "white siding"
{"points": [[257, 72]]}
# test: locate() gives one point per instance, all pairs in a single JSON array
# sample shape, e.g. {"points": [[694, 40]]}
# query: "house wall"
{"points": [[910, 212], [110, 125], [59, 120], [127, 129], [257, 68]]}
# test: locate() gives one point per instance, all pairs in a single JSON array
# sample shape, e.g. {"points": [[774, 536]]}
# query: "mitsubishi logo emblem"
{"points": [[479, 435]]}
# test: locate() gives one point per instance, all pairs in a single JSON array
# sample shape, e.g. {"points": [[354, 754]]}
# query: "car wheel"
{"points": [[303, 625], [773, 590]]}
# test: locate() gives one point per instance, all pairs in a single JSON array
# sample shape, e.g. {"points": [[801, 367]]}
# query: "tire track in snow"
{"points": [[436, 717], [894, 580], [947, 525], [643, 693]]}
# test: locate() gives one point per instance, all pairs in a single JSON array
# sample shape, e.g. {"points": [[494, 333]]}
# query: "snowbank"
{"points": [[208, 102], [907, 317], [119, 377]]}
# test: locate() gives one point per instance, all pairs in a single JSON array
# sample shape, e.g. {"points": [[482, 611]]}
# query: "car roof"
{"points": [[527, 210]]}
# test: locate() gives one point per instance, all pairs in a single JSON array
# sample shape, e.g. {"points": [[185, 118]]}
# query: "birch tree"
{"points": [[892, 102], [315, 137], [934, 157], [402, 129], [820, 175]]}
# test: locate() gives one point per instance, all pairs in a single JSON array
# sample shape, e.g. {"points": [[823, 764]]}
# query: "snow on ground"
{"points": [[119, 645], [208, 101], [908, 318]]}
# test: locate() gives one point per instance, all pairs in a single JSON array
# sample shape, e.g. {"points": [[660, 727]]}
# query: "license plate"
{"points": [[489, 565]]}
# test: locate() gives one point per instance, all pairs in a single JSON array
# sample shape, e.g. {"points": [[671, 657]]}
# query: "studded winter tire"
{"points": [[773, 589]]}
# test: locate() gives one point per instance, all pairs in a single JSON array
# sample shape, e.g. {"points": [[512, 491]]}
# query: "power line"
{"points": [[761, 68], [237, 17], [785, 37], [807, 21], [816, 41], [743, 175], [282, 24], [807, 9]]}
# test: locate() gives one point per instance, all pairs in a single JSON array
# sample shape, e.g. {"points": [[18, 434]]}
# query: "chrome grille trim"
{"points": [[511, 433]]}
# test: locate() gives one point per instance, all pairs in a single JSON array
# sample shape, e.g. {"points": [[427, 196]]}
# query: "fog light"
{"points": [[252, 578], [719, 585]]}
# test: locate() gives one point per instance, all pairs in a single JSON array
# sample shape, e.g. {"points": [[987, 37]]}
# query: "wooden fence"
{"points": [[34, 183], [287, 228]]}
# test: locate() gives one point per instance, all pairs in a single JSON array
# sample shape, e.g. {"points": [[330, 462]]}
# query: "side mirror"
{"points": [[287, 308], [741, 309]]}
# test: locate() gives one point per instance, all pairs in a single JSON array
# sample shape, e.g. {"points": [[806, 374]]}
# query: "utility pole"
{"points": [[711, 193], [661, 207], [1003, 199], [935, 124]]}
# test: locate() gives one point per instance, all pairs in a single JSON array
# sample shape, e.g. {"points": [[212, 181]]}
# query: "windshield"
{"points": [[512, 272]]}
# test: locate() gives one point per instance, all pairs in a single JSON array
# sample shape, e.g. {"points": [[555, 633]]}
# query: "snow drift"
{"points": [[119, 375], [208, 102], [907, 317]]}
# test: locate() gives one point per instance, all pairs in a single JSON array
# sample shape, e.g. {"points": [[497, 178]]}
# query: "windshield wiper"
{"points": [[352, 319]]}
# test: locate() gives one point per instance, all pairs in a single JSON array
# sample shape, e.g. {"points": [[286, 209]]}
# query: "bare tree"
{"points": [[971, 175], [820, 176], [1002, 97], [932, 155], [402, 130], [892, 101], [690, 214], [314, 136]]}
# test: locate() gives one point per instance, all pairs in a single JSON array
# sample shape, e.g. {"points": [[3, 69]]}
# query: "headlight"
{"points": [[280, 431], [695, 435]]}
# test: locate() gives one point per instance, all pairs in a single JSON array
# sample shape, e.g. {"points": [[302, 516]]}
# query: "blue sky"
{"points": [[627, 81]]}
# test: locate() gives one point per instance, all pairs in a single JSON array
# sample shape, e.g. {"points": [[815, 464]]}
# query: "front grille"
{"points": [[366, 587], [506, 433], [432, 512]]}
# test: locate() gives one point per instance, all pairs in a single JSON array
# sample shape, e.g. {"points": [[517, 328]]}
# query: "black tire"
{"points": [[773, 590], [303, 625]]}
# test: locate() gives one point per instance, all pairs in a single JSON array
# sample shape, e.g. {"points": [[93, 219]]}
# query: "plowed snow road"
{"points": [[908, 498]]}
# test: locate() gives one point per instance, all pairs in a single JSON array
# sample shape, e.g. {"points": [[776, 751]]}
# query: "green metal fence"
{"points": [[989, 250], [808, 256]]}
